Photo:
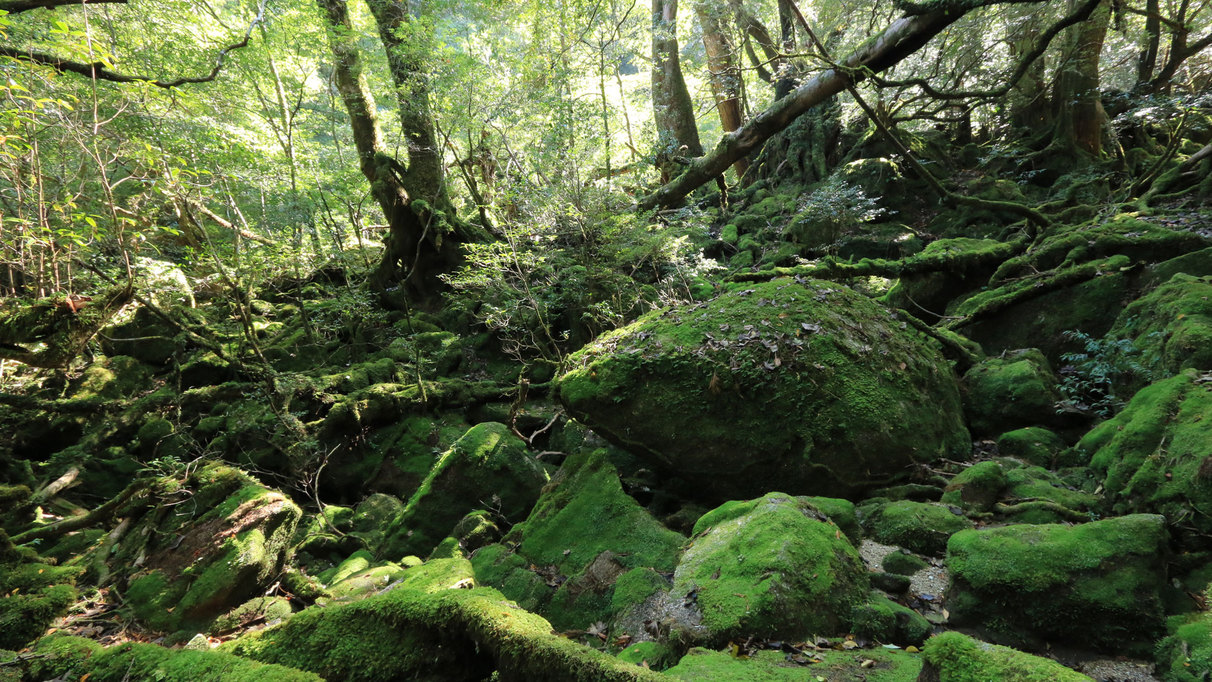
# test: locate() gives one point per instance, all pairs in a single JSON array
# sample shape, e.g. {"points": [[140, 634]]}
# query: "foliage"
{"points": [[1089, 376]]}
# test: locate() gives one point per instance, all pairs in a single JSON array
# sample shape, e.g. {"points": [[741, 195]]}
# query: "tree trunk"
{"points": [[786, 81], [677, 133], [724, 76], [1028, 100], [904, 37], [1080, 118], [1148, 55], [418, 248]]}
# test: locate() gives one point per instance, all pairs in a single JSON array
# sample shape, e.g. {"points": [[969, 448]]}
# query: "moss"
{"points": [[488, 466], [1153, 456], [498, 566], [584, 512], [922, 527], [261, 610], [634, 587], [446, 634], [1097, 584], [1004, 393], [1032, 444], [654, 655], [477, 529], [775, 569], [229, 544], [903, 563], [977, 487], [775, 666], [1037, 483], [1171, 325], [885, 621], [1185, 655], [958, 658], [728, 234], [77, 658], [718, 392], [357, 562]]}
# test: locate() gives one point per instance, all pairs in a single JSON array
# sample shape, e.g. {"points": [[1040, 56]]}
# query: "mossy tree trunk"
{"points": [[1029, 106], [1080, 118], [723, 73], [424, 233], [677, 132]]}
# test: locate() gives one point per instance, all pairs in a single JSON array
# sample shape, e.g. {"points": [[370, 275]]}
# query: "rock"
{"points": [[430, 630], [488, 466], [584, 512], [771, 567], [887, 622], [1034, 445], [1185, 655], [1097, 584], [205, 558], [922, 527], [373, 516], [1154, 456], [63, 657], [953, 657], [903, 563], [32, 594], [258, 611], [808, 388], [977, 487], [775, 666], [1036, 495], [1171, 326], [1004, 393]]}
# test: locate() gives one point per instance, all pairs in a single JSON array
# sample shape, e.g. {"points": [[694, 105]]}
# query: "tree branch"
{"points": [[16, 6], [100, 71]]}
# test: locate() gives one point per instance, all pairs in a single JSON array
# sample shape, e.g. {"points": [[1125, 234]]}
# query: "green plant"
{"points": [[1089, 377]]}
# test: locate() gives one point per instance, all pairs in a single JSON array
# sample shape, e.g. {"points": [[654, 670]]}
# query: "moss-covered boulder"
{"points": [[1098, 584], [1034, 445], [922, 527], [803, 386], [1156, 455], [1171, 325], [953, 657], [413, 633], [584, 533], [885, 621], [1004, 393], [771, 567], [76, 658], [209, 545], [487, 467], [977, 487], [871, 665], [1185, 655], [1036, 495], [32, 594]]}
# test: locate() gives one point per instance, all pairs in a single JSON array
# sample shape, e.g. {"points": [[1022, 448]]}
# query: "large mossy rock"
{"points": [[922, 527], [488, 467], [870, 665], [32, 594], [1156, 455], [75, 658], [1171, 325], [414, 632], [953, 657], [1098, 584], [773, 567], [1010, 392], [205, 548], [587, 531], [801, 386]]}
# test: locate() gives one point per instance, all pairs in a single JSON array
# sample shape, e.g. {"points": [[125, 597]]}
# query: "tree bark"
{"points": [[723, 74], [417, 247], [1148, 56], [1080, 118], [677, 132], [901, 39]]}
